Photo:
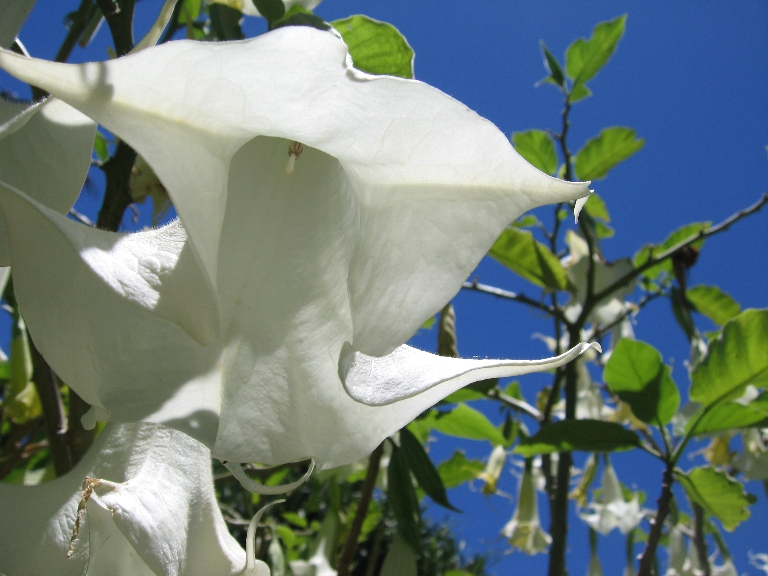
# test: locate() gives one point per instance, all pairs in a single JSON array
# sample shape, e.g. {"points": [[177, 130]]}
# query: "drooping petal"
{"points": [[155, 514], [433, 182], [408, 372], [45, 150], [103, 328], [12, 16]]}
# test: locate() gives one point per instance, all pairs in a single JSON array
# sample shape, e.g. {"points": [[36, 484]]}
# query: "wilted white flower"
{"points": [[147, 507], [269, 322], [611, 510], [524, 529]]}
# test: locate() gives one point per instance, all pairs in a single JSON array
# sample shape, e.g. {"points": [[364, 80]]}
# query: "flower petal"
{"points": [[421, 165], [161, 517], [45, 150], [409, 372], [153, 370], [12, 16]]}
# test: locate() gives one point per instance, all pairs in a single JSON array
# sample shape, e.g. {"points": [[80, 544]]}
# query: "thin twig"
{"points": [[654, 260], [515, 403], [507, 295], [350, 545]]}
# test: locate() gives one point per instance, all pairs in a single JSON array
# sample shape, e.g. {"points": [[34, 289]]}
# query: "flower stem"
{"points": [[350, 545]]}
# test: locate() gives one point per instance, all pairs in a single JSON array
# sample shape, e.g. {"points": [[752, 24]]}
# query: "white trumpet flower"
{"points": [[611, 510], [269, 321], [147, 507], [524, 530]]}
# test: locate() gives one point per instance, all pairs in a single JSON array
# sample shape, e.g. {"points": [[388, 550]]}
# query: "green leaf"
{"points": [[553, 67], [526, 221], [300, 16], [190, 11], [603, 152], [474, 391], [636, 373], [579, 92], [402, 499], [537, 147], [603, 230], [585, 435], [466, 422], [718, 494], [100, 147], [733, 416], [225, 22], [271, 10], [584, 58], [423, 470], [295, 519], [520, 252], [458, 469], [735, 359], [713, 303], [376, 47], [678, 236], [596, 207]]}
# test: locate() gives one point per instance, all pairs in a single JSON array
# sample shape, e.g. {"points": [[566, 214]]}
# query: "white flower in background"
{"points": [[151, 510], [249, 8], [609, 310], [524, 530], [269, 322], [759, 561], [754, 459], [611, 510], [493, 469], [677, 552]]}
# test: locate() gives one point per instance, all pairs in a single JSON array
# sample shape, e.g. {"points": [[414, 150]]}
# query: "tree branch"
{"points": [[699, 541], [47, 386], [350, 545], [657, 523], [654, 260], [507, 295], [119, 16]]}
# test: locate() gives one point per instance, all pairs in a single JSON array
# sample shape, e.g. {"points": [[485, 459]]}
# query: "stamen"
{"points": [[294, 151], [255, 567], [256, 488]]}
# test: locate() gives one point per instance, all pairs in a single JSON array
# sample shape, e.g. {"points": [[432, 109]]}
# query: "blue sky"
{"points": [[690, 77]]}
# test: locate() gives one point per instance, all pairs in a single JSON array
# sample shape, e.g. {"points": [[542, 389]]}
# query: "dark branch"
{"points": [[507, 295]]}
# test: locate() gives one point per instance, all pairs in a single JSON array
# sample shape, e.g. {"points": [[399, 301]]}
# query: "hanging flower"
{"points": [[269, 321], [524, 530], [493, 469], [611, 510], [147, 507]]}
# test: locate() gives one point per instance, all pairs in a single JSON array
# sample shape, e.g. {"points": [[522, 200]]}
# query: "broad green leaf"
{"points": [[552, 66], [376, 47], [423, 469], [474, 391], [537, 147], [733, 416], [713, 303], [295, 519], [584, 58], [271, 10], [402, 499], [679, 235], [596, 207], [466, 422], [579, 92], [190, 11], [520, 252], [603, 230], [526, 221], [100, 147], [458, 469], [603, 152], [300, 16], [737, 358], [585, 435], [636, 373], [718, 494], [225, 22]]}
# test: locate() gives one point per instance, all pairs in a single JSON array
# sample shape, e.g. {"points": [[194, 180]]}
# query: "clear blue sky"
{"points": [[690, 77]]}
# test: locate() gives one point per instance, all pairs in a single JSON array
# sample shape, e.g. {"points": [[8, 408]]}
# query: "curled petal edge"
{"points": [[256, 488], [408, 372]]}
